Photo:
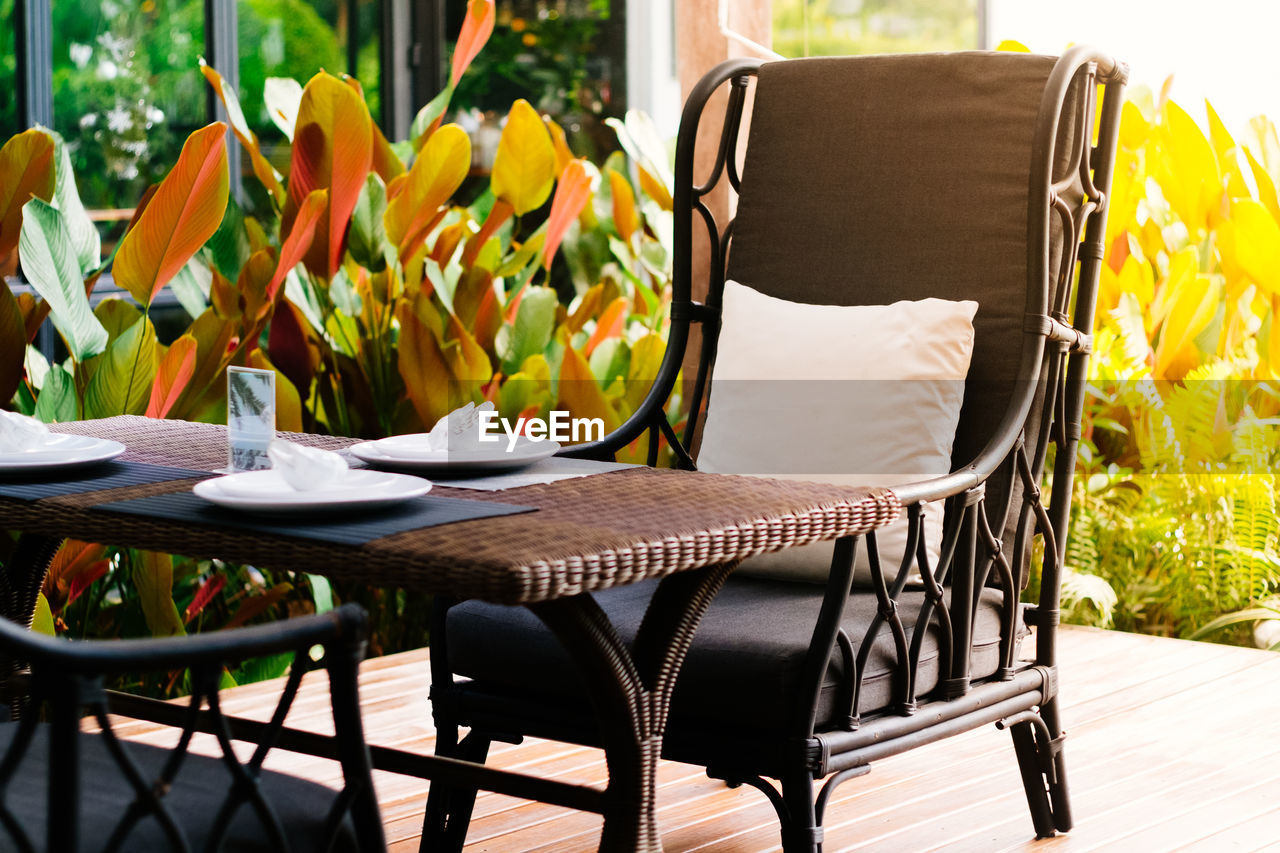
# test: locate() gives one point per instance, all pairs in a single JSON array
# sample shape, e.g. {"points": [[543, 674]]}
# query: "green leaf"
{"points": [[367, 238], [321, 593], [432, 111], [263, 669], [191, 287], [153, 578], [534, 323], [1253, 614], [43, 620], [57, 400], [121, 385], [228, 248], [49, 261], [84, 234]]}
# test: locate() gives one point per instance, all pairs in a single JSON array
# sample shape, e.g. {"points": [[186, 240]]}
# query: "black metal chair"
{"points": [[62, 789], [978, 176]]}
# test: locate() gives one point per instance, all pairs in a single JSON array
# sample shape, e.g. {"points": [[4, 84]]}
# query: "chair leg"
{"points": [[801, 832], [444, 827], [1037, 740]]}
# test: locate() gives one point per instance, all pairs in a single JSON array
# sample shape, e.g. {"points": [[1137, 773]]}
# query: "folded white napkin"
{"points": [[306, 468], [460, 429], [457, 431], [19, 433]]}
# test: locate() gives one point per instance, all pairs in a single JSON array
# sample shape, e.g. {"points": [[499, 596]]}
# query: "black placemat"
{"points": [[35, 485], [344, 527]]}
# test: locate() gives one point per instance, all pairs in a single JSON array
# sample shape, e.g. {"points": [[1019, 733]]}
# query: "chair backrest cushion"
{"points": [[870, 180], [859, 395]]}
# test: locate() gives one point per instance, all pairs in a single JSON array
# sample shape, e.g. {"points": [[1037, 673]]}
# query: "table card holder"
{"points": [[251, 418]]}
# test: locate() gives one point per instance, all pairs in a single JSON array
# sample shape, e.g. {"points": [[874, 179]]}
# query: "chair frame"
{"points": [[1021, 696], [68, 677]]}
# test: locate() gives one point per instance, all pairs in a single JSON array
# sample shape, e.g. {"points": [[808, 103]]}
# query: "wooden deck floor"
{"points": [[1183, 755]]}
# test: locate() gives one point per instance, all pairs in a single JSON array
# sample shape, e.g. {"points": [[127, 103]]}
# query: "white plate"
{"points": [[266, 491], [61, 451], [445, 462]]}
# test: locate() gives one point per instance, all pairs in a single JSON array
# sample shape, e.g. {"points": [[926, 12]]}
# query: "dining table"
{"points": [[547, 546]]}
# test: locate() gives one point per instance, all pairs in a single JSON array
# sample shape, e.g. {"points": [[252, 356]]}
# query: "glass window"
{"points": [[9, 121], [126, 92], [842, 27]]}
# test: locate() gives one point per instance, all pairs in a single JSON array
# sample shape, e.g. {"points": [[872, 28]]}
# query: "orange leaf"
{"points": [[386, 162], [624, 206], [476, 30], [332, 149], [254, 607], [248, 139], [572, 194], [26, 170], [579, 393], [175, 371], [299, 240], [184, 212], [288, 401], [498, 214], [424, 368], [72, 560], [610, 325]]}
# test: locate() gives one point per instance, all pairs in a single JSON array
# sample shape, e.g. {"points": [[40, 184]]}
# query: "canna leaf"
{"points": [[580, 394], [121, 384], [288, 402], [535, 321], [287, 344], [205, 594], [49, 261], [13, 342], [173, 375], [262, 169], [83, 233], [367, 238], [425, 371], [300, 239], [525, 166], [610, 325], [626, 219], [184, 213], [439, 170], [476, 29], [57, 401], [333, 150], [153, 578], [1188, 172], [572, 194], [27, 170], [281, 96]]}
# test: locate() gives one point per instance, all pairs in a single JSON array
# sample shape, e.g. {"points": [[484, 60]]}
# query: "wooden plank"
{"points": [[1171, 744]]}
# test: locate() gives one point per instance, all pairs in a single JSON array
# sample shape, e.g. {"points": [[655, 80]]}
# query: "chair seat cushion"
{"points": [[745, 664], [194, 799]]}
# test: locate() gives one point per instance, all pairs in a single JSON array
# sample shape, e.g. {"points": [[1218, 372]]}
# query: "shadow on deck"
{"points": [[1171, 745]]}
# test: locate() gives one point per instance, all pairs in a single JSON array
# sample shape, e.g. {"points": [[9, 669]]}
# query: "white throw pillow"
{"points": [[865, 395]]}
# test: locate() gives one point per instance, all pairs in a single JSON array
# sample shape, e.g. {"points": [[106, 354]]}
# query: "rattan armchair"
{"points": [[64, 789], [978, 176]]}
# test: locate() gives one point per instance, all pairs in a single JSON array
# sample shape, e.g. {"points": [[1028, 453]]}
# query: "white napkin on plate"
{"points": [[460, 429], [457, 431], [306, 468], [19, 433]]}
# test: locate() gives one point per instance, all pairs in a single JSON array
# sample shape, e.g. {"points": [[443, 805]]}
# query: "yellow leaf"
{"points": [[1188, 173], [579, 392], [646, 358], [1011, 46], [1250, 244], [1228, 156], [1190, 310], [1266, 186], [1134, 128], [525, 166], [288, 401], [26, 170], [438, 171]]}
